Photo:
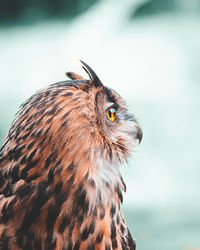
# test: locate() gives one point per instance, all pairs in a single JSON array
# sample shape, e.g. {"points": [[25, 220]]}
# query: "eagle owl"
{"points": [[60, 186]]}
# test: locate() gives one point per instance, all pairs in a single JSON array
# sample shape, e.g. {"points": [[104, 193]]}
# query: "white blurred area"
{"points": [[154, 63]]}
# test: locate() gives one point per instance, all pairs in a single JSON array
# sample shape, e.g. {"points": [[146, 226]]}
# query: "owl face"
{"points": [[117, 127]]}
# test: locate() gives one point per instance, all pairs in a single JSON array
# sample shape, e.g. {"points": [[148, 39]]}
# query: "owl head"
{"points": [[110, 130]]}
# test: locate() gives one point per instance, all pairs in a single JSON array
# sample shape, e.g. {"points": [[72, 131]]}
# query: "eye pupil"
{"points": [[109, 113]]}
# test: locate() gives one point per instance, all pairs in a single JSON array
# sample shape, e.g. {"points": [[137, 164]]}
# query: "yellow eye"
{"points": [[111, 114]]}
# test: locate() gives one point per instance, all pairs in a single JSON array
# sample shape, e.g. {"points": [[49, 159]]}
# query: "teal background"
{"points": [[148, 51]]}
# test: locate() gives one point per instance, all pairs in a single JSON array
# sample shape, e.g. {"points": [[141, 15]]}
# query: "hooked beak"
{"points": [[139, 134]]}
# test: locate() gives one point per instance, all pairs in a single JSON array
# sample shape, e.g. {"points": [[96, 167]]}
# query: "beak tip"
{"points": [[139, 135]]}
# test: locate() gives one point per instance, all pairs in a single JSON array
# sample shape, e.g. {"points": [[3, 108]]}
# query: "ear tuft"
{"points": [[93, 77], [74, 76]]}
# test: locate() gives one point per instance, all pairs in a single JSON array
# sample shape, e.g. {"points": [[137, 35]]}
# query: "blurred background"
{"points": [[148, 51]]}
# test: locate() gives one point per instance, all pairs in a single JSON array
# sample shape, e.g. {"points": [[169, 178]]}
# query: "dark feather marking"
{"points": [[56, 92], [30, 157], [81, 205], [37, 133], [88, 230], [18, 151], [14, 173], [50, 138], [47, 131], [124, 185], [85, 234], [58, 163], [64, 222], [41, 104], [50, 119], [42, 196], [54, 209], [32, 177], [61, 198], [27, 110], [1, 179], [31, 117], [67, 94], [70, 230], [92, 183], [51, 158], [110, 97], [122, 228], [42, 142], [99, 196], [102, 213], [99, 238], [71, 166], [4, 241], [37, 122], [7, 211], [25, 170], [124, 244], [75, 99], [30, 145], [112, 210], [113, 230], [118, 219], [58, 187], [66, 114], [114, 243], [77, 245], [17, 132], [25, 136], [119, 192], [64, 124], [7, 191], [53, 110], [10, 154], [81, 218], [23, 160], [131, 242], [92, 227], [51, 175], [24, 190], [30, 127], [71, 179]]}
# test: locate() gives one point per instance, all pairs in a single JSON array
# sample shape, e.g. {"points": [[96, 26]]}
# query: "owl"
{"points": [[60, 185]]}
